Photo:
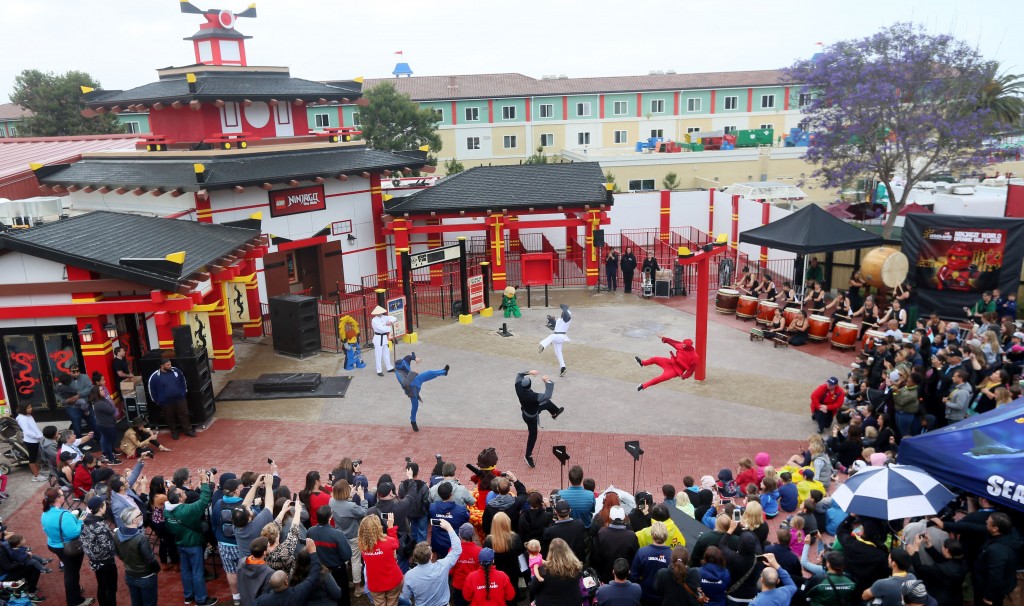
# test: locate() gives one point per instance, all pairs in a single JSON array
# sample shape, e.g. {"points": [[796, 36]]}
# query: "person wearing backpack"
{"points": [[418, 493], [221, 517]]}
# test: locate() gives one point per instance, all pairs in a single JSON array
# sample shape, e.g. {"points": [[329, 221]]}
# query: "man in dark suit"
{"points": [[628, 265], [566, 528]]}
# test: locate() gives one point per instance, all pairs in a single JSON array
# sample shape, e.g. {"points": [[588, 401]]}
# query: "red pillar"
{"points": [[766, 210], [99, 354], [514, 243], [254, 327], [434, 240], [666, 215], [736, 229], [165, 321], [590, 257], [377, 211], [220, 325], [496, 244], [711, 212], [400, 230], [701, 337], [204, 213]]}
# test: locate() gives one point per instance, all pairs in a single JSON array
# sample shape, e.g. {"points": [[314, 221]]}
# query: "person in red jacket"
{"points": [[747, 475], [682, 364], [825, 401], [466, 564], [488, 586], [383, 576], [82, 481]]}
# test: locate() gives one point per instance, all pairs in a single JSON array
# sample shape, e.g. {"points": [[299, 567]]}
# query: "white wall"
{"points": [[159, 206], [18, 268]]}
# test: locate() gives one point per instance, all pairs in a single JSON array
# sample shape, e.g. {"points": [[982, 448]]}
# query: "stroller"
{"points": [[14, 449], [647, 285]]}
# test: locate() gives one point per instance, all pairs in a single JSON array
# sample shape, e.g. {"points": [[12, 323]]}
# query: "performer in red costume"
{"points": [[958, 271], [682, 363]]}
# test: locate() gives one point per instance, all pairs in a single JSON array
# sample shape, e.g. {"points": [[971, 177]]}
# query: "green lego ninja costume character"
{"points": [[509, 303]]}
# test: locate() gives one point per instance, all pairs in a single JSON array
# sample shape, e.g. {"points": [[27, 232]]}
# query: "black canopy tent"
{"points": [[809, 230]]}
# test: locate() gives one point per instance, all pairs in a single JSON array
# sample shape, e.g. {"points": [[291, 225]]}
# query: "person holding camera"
{"points": [[427, 583], [388, 503], [63, 528], [140, 564], [378, 543], [247, 524], [506, 501], [185, 521]]}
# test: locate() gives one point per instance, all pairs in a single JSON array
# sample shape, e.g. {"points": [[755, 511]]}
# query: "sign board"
{"points": [[286, 202], [237, 302], [396, 308], [476, 294], [434, 255], [537, 269]]}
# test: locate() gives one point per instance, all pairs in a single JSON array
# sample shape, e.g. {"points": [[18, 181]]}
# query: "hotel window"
{"points": [[355, 119], [620, 108], [657, 106], [439, 115], [583, 138], [767, 127], [803, 99], [767, 101], [547, 110], [658, 132], [547, 139], [693, 105], [132, 126], [729, 129], [692, 129], [12, 131], [732, 102], [508, 112], [509, 142], [322, 120], [472, 142], [641, 185], [583, 109], [620, 136], [472, 114]]}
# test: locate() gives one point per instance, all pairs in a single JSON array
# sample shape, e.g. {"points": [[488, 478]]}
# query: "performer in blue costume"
{"points": [[411, 382]]}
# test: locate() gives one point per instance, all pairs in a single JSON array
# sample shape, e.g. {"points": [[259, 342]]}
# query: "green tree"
{"points": [[539, 157], [394, 122], [56, 102], [670, 182], [1003, 97], [453, 167], [610, 178]]}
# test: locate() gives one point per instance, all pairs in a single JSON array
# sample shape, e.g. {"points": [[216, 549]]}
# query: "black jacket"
{"points": [[708, 538], [532, 523], [556, 591], [971, 531], [571, 531], [870, 562], [136, 553], [331, 545], [613, 542], [995, 570], [627, 263], [297, 595], [510, 505], [944, 579], [651, 264]]}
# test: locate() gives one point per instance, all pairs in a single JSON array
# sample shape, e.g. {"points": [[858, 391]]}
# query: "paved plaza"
{"points": [[755, 398]]}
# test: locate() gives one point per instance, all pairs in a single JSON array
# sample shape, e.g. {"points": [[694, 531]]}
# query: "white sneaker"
{"points": [[40, 478]]}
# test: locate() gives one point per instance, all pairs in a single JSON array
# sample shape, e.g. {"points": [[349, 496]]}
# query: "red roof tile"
{"points": [[16, 154]]}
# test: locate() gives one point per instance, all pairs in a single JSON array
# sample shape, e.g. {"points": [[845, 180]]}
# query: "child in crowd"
{"points": [[770, 498], [691, 487], [796, 535], [535, 560], [787, 493], [591, 485], [746, 474], [726, 485], [23, 555], [751, 493], [770, 472]]}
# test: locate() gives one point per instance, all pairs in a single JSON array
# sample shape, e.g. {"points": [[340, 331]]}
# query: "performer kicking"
{"points": [[381, 324], [682, 364], [411, 382], [561, 326], [532, 403]]}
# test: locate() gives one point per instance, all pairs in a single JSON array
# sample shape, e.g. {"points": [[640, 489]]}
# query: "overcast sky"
{"points": [[121, 43]]}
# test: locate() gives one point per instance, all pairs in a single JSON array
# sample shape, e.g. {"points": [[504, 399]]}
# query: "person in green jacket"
{"points": [[185, 522], [829, 586]]}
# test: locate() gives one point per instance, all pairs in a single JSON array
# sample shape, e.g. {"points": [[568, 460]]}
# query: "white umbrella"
{"points": [[892, 493], [627, 500]]}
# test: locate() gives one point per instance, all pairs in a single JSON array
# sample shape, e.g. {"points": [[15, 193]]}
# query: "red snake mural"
{"points": [[23, 379]]}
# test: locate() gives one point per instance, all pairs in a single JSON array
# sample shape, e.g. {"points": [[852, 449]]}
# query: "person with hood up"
{"points": [[862, 540], [140, 564], [504, 501], [744, 566], [283, 594], [560, 336], [714, 576], [761, 460], [411, 382], [253, 572], [726, 485], [682, 363], [532, 404]]}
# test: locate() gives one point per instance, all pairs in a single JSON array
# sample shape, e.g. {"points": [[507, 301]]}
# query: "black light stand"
{"points": [[563, 457], [633, 448]]}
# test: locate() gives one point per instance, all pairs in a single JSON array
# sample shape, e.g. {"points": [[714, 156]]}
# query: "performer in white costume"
{"points": [[561, 327], [381, 324]]}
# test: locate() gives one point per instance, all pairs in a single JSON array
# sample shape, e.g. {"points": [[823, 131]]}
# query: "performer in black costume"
{"points": [[532, 403]]}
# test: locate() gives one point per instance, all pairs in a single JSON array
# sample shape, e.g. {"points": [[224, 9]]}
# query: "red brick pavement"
{"points": [[234, 445]]}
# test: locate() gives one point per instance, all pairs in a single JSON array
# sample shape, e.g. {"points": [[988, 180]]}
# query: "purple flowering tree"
{"points": [[901, 103]]}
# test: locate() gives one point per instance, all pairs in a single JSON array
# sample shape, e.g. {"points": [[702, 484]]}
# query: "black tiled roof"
{"points": [[97, 241], [251, 167], [516, 186], [234, 86]]}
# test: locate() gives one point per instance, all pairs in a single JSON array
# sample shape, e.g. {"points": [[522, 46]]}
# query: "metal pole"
{"points": [[546, 304], [464, 274], [486, 268], [407, 289]]}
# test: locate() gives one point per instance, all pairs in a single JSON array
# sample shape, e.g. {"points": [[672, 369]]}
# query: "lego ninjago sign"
{"points": [[298, 200]]}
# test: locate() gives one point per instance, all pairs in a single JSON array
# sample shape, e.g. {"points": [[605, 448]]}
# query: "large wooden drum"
{"points": [[844, 335], [884, 267], [766, 311], [818, 330], [725, 301], [791, 313], [746, 308], [871, 335]]}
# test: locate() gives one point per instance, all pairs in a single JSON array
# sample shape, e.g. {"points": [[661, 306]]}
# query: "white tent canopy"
{"points": [[768, 191]]}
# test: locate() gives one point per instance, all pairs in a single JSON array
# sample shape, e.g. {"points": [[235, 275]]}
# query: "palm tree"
{"points": [[1003, 95]]}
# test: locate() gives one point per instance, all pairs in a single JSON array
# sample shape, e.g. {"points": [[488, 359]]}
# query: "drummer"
{"points": [[797, 330], [815, 300], [777, 327], [842, 313], [787, 298], [869, 312], [767, 288], [753, 283], [744, 281], [896, 312]]}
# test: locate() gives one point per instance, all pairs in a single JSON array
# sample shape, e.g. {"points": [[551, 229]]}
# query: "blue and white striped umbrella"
{"points": [[892, 493]]}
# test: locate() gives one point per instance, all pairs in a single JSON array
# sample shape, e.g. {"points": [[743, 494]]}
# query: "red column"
{"points": [[736, 228], [750, 100], [711, 212], [496, 243], [376, 211], [514, 244], [165, 321], [220, 325], [600, 106], [400, 229], [765, 218], [254, 327], [455, 116], [434, 240], [571, 232], [666, 215], [204, 213], [701, 337], [590, 256], [785, 100], [712, 102]]}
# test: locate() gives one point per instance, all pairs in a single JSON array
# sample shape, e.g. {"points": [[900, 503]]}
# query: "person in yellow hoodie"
{"points": [[660, 514], [805, 486]]}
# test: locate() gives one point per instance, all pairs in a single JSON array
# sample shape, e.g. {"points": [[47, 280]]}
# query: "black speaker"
{"points": [[599, 238], [182, 340], [295, 325], [198, 384]]}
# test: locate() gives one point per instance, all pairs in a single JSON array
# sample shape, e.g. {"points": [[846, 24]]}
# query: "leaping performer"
{"points": [[561, 327], [682, 363], [532, 403], [411, 382]]}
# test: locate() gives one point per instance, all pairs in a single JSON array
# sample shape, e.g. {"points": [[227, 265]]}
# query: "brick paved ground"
{"points": [[754, 399]]}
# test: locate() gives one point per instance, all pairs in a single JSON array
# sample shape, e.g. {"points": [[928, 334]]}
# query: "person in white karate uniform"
{"points": [[561, 327], [381, 324]]}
